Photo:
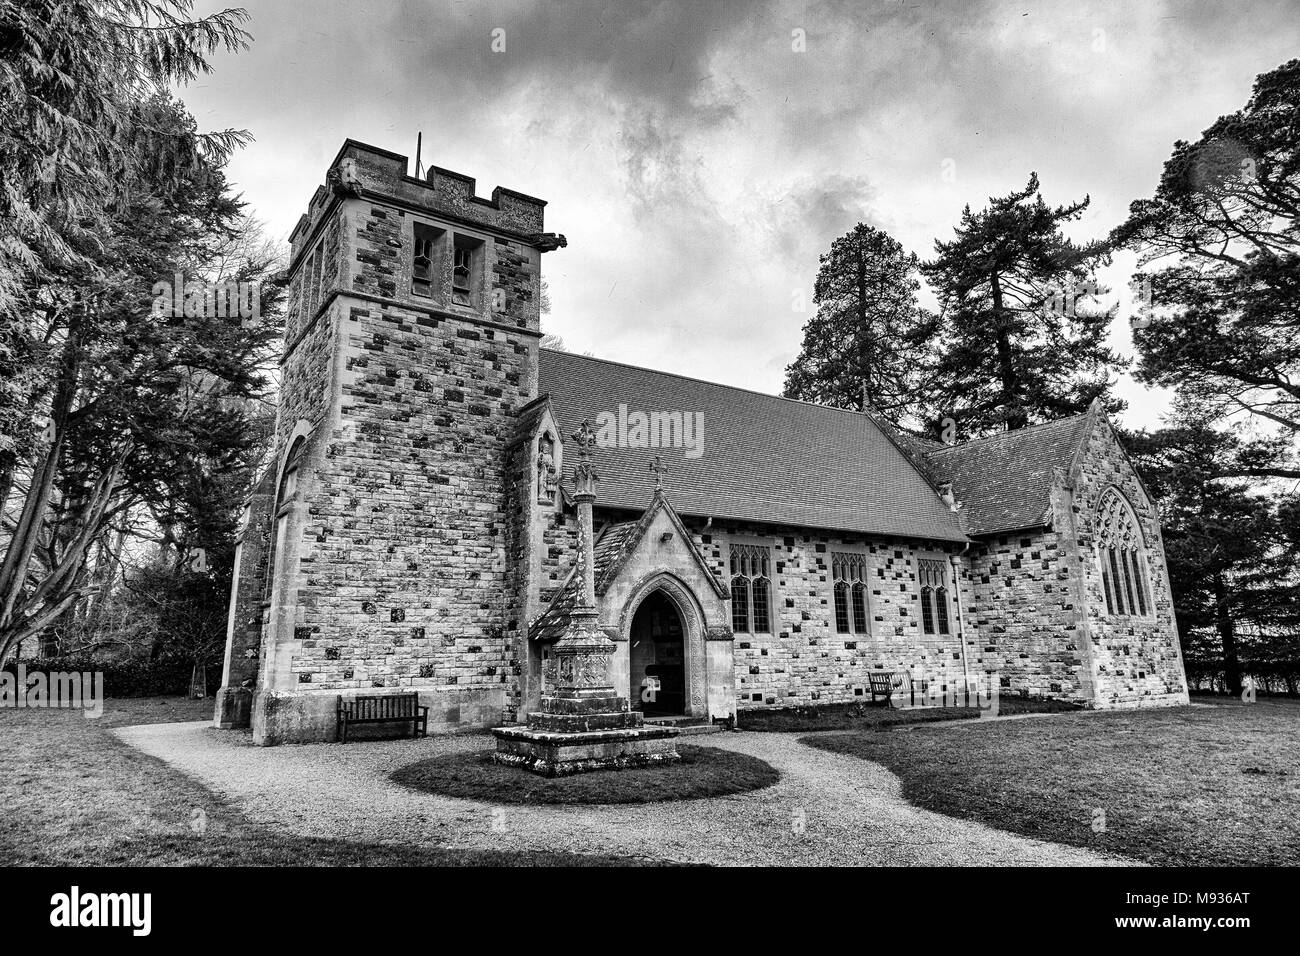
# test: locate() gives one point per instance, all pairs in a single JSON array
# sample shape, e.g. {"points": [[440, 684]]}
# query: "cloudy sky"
{"points": [[699, 157]]}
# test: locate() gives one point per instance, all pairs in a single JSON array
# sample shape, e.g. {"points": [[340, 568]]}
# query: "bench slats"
{"points": [[882, 685], [382, 708]]}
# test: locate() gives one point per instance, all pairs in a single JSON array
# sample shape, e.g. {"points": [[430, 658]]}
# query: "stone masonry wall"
{"points": [[520, 505], [307, 385], [806, 660], [404, 569], [1025, 611], [1137, 660]]}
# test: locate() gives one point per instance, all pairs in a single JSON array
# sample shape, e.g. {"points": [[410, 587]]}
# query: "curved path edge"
{"points": [[827, 809]]}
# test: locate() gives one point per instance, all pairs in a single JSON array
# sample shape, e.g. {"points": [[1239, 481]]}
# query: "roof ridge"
{"points": [[1011, 434], [705, 381]]}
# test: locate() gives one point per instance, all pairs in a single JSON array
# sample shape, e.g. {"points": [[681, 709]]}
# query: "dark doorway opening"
{"points": [[658, 658]]}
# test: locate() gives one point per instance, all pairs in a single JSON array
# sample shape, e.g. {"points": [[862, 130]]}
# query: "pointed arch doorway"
{"points": [[657, 658]]}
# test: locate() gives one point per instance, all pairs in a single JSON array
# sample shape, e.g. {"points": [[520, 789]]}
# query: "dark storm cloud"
{"points": [[700, 156], [656, 51]]}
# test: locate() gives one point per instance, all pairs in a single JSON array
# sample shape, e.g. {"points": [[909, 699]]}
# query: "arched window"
{"points": [[1106, 586], [1139, 582], [1116, 581], [740, 605], [849, 572], [762, 606], [933, 576], [927, 610], [422, 260], [860, 608], [289, 476], [285, 492], [842, 624], [1121, 552], [751, 589]]}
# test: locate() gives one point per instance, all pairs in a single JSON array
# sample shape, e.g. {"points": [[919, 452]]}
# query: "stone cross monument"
{"points": [[583, 653], [584, 724]]}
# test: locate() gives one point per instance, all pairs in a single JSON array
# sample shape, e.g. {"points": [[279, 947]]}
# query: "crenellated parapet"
{"points": [[363, 171]]}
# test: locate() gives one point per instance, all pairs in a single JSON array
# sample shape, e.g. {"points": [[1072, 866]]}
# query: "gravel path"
{"points": [[828, 809]]}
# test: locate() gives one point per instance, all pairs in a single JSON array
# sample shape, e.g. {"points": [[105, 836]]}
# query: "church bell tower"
{"points": [[377, 552]]}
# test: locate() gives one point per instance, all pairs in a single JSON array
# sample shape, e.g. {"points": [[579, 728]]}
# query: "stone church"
{"points": [[416, 529]]}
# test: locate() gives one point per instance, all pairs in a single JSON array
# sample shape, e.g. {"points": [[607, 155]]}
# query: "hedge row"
{"points": [[124, 678]]}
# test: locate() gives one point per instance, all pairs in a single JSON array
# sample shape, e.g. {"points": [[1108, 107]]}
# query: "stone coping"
{"points": [[584, 737]]}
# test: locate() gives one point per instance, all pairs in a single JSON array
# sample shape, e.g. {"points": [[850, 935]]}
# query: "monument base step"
{"points": [[558, 753]]}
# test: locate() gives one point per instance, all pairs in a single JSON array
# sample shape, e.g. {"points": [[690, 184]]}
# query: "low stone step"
{"points": [[686, 725]]}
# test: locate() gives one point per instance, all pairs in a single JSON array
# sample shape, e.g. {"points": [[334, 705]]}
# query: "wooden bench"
{"points": [[882, 685], [383, 709]]}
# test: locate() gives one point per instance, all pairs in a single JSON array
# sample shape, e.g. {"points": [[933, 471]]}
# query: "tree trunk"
{"points": [[22, 543], [1227, 634], [1009, 381], [64, 584], [864, 334]]}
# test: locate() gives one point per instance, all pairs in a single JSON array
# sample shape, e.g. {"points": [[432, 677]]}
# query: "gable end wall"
{"points": [[1137, 661]]}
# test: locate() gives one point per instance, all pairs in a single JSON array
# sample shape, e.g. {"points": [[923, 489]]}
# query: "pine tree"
{"points": [[1223, 325], [1230, 552], [1021, 339], [866, 346]]}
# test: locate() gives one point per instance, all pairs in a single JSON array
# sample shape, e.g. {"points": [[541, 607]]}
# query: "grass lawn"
{"points": [[702, 772], [74, 794], [1216, 785], [808, 719]]}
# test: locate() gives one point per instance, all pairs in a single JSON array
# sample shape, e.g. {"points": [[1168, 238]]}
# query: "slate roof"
{"points": [[1004, 482], [764, 458]]}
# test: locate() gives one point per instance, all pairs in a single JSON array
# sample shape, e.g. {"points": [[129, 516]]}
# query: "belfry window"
{"points": [[1121, 554], [424, 257], [466, 264], [313, 280], [849, 574], [932, 574], [751, 589]]}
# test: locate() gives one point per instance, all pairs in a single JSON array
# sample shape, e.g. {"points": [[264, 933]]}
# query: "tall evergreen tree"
{"points": [[1224, 327], [78, 143], [72, 76], [1230, 552], [866, 346], [106, 187], [1022, 340]]}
